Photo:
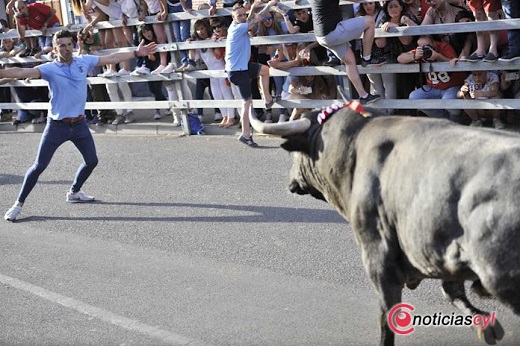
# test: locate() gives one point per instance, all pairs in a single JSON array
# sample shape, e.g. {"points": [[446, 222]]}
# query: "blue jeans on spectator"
{"points": [[46, 41], [511, 10], [55, 134], [181, 30], [430, 93]]}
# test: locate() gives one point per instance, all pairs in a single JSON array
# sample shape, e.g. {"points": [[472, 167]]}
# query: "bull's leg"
{"points": [[388, 282], [456, 293]]}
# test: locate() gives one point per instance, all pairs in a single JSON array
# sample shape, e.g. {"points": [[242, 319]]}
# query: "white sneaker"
{"points": [[218, 116], [476, 123], [168, 69], [159, 69], [181, 69], [129, 118], [142, 70], [78, 197], [189, 68], [176, 120], [122, 72], [118, 120], [498, 124], [282, 118], [39, 120], [157, 115], [108, 74], [13, 213]]}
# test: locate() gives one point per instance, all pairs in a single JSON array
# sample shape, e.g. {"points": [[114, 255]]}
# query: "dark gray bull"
{"points": [[425, 198]]}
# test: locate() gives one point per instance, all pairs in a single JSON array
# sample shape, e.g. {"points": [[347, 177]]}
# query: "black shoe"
{"points": [[248, 141], [374, 61], [474, 58], [25, 53], [490, 57], [510, 57], [332, 62], [369, 99]]}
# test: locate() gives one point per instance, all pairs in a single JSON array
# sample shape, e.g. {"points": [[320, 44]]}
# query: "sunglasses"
{"points": [[267, 19], [215, 27]]}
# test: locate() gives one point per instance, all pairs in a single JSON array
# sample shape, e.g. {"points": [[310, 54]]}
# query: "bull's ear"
{"points": [[296, 143]]}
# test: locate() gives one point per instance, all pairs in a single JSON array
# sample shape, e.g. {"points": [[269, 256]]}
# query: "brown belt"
{"points": [[71, 120]]}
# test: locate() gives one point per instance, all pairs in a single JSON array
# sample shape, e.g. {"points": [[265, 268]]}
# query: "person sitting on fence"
{"points": [[335, 34], [214, 60], [271, 26], [441, 12], [487, 41], [181, 30], [115, 36], [482, 85], [36, 16], [439, 85], [159, 9]]}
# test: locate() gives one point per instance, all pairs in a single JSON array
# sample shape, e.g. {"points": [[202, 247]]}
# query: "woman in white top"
{"points": [[214, 60]]}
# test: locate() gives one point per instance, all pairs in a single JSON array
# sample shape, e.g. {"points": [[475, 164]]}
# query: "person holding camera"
{"points": [[482, 85], [439, 84]]}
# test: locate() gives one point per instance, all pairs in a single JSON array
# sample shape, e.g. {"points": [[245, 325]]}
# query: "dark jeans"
{"points": [[511, 10], [55, 134]]}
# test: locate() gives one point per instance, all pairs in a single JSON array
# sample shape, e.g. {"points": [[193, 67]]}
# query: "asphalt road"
{"points": [[192, 241]]}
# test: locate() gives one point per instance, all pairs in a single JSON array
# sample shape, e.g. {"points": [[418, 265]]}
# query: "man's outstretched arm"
{"points": [[142, 50], [20, 73]]}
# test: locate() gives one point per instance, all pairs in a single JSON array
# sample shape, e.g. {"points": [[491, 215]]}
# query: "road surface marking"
{"points": [[104, 315]]}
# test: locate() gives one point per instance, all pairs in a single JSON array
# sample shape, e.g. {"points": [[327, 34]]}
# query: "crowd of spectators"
{"points": [[486, 46]]}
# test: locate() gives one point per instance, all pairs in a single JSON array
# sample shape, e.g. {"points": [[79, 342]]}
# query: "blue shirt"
{"points": [[238, 47], [68, 85]]}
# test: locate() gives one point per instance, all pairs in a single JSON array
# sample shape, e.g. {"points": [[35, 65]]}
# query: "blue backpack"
{"points": [[196, 127]]}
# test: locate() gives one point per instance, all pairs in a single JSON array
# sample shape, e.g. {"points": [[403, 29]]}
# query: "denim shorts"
{"points": [[242, 79]]}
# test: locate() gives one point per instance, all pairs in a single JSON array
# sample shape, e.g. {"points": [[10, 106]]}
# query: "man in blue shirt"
{"points": [[67, 78], [238, 67]]}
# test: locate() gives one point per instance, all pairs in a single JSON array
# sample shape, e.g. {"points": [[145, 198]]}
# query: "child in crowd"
{"points": [[149, 63], [481, 85]]}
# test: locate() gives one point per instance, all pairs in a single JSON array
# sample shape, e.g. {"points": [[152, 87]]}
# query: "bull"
{"points": [[425, 198]]}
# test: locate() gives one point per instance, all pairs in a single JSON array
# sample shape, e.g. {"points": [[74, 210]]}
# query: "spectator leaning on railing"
{"points": [[36, 16], [439, 84]]}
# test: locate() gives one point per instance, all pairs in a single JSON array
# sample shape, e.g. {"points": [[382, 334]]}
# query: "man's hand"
{"points": [[161, 16], [145, 50]]}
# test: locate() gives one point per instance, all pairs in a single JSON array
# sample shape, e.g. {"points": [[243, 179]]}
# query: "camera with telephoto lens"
{"points": [[427, 51]]}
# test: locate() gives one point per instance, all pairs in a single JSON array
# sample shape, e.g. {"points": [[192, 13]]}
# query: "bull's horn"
{"points": [[280, 129]]}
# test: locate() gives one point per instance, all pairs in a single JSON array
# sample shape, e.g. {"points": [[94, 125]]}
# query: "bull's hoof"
{"points": [[491, 334], [477, 288]]}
